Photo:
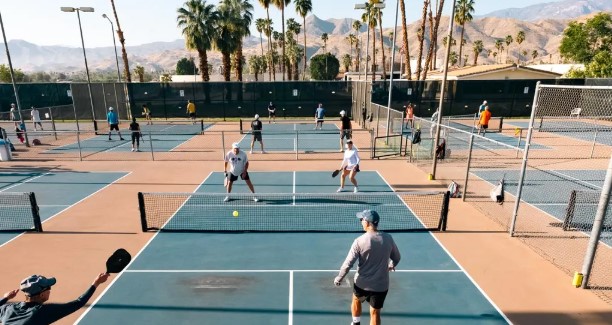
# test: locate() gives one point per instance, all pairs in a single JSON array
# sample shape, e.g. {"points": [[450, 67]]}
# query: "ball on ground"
{"points": [[235, 213]]}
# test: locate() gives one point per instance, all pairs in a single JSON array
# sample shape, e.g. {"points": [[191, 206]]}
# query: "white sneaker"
{"points": [[263, 151], [339, 189], [255, 199], [226, 199], [251, 152], [133, 150], [355, 190]]}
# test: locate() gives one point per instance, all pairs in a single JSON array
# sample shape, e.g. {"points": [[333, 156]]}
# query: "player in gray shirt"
{"points": [[377, 255]]}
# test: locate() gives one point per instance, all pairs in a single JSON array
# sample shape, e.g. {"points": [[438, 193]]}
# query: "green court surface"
{"points": [[55, 191], [283, 278], [296, 137]]}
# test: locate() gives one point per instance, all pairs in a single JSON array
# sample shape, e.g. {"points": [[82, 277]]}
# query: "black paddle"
{"points": [[336, 172], [118, 261]]}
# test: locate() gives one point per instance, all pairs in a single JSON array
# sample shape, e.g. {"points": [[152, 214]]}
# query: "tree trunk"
{"points": [[126, 65], [435, 37], [289, 71], [461, 46], [238, 61], [305, 49], [283, 57], [261, 43], [227, 65], [405, 41], [203, 65], [476, 58], [271, 72], [382, 46], [421, 40], [373, 53]]}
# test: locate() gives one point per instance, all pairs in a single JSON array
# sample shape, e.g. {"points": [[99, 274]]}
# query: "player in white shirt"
{"points": [[349, 166], [238, 166], [36, 118]]}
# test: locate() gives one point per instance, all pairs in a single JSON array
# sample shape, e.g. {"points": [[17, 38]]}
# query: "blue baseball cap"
{"points": [[36, 284], [369, 216]]}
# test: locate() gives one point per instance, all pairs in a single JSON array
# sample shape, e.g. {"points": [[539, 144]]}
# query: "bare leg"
{"points": [[262, 146], [343, 178], [229, 186], [341, 145], [252, 144], [356, 307], [352, 177], [374, 316], [250, 185]]}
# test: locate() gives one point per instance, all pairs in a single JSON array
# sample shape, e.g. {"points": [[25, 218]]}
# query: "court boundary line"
{"points": [[27, 180], [284, 271], [206, 126], [535, 206], [290, 308], [70, 206], [110, 285], [482, 292]]}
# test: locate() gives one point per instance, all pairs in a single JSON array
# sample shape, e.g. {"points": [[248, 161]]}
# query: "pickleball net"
{"points": [[581, 210], [321, 212], [19, 212]]}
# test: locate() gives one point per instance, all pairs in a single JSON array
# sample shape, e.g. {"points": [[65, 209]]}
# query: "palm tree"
{"points": [[463, 14], [508, 41], [477, 49], [369, 18], [226, 39], [405, 44], [293, 29], [357, 29], [421, 37], [260, 25], [278, 40], [351, 39], [268, 30], [434, 37], [241, 12], [139, 71], [126, 65], [499, 45], [324, 38], [257, 65], [197, 21], [520, 37], [303, 7], [534, 54], [378, 12], [281, 4], [346, 62]]}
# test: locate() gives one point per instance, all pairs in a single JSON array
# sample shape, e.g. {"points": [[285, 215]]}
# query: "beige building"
{"points": [[494, 72]]}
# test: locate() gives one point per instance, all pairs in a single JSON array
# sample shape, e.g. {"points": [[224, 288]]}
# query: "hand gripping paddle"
{"points": [[118, 261]]}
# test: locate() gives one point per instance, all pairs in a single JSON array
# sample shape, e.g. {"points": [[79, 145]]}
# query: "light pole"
{"points": [[8, 56], [78, 10], [114, 46]]}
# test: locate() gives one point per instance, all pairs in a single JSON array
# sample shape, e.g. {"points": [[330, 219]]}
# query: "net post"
{"points": [[501, 123], [518, 144], [467, 169], [241, 129], [569, 211], [35, 212], [223, 144], [151, 146], [202, 126], [52, 122], [297, 134], [143, 213], [444, 213], [594, 141]]}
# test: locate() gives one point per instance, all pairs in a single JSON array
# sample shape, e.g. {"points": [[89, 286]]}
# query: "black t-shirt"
{"points": [[134, 126], [256, 126], [346, 123], [271, 108]]}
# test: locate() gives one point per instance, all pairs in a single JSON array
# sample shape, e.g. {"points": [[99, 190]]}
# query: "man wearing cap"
{"points": [[113, 122], [15, 115], [481, 108], [377, 255], [349, 166], [271, 113], [256, 127], [345, 131], [33, 310], [239, 165], [319, 117]]}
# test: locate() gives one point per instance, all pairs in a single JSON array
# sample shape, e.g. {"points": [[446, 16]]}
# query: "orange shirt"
{"points": [[484, 118]]}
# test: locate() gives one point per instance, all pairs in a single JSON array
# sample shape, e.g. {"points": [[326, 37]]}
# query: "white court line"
{"points": [[460, 266], [69, 206], [125, 269], [26, 181], [573, 178], [117, 146], [283, 271], [293, 187], [290, 321], [190, 138]]}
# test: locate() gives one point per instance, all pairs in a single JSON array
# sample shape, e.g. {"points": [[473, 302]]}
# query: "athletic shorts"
{"points": [[484, 126], [192, 115], [272, 114], [356, 168], [320, 120], [114, 127], [233, 178], [257, 136], [345, 134], [375, 299], [135, 137]]}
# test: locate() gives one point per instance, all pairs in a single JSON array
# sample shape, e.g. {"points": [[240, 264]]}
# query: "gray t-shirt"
{"points": [[373, 250], [237, 162]]}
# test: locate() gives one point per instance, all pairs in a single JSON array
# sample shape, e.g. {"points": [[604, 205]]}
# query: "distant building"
{"points": [[494, 72], [557, 68]]}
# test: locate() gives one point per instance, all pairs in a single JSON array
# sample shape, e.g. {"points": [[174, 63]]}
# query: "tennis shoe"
{"points": [[255, 199], [109, 139], [251, 152], [263, 151], [340, 189], [355, 190], [122, 139], [226, 199], [133, 149]]}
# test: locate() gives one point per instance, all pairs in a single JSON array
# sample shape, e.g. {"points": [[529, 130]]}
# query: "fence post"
{"points": [[594, 141], [223, 144], [295, 145], [467, 170], [518, 144], [52, 122]]}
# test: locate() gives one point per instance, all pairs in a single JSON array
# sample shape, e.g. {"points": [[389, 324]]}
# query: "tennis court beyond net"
{"points": [[19, 212], [329, 212]]}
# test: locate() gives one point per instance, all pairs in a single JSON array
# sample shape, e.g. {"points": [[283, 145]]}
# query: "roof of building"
{"points": [[487, 69]]}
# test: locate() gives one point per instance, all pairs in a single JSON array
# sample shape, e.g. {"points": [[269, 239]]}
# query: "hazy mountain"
{"points": [[567, 9]]}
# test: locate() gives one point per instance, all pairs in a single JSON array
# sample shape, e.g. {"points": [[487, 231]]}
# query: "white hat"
{"points": [[342, 113], [235, 145], [485, 102], [257, 116], [110, 108]]}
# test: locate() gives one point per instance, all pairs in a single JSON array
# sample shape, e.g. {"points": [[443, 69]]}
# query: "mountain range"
{"points": [[543, 25]]}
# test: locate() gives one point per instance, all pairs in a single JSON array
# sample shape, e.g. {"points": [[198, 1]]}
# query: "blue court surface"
{"points": [[283, 278], [55, 191], [296, 137], [602, 137], [550, 191], [164, 138]]}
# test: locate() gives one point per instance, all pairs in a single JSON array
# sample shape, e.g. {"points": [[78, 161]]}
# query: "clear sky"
{"points": [[144, 21]]}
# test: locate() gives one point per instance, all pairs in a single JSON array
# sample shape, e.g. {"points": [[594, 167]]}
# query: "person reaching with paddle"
{"points": [[35, 310], [349, 166]]}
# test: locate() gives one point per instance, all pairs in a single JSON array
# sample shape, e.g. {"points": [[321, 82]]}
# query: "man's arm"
{"points": [[352, 256], [8, 296], [395, 256]]}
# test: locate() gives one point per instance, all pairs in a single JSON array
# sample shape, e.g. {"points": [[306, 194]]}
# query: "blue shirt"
{"points": [[320, 113], [112, 117]]}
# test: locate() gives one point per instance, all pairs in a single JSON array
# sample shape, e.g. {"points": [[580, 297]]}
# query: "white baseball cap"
{"points": [[235, 145], [257, 116], [110, 108], [484, 102], [342, 113]]}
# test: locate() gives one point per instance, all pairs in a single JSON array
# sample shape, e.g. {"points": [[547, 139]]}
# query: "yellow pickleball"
{"points": [[235, 213]]}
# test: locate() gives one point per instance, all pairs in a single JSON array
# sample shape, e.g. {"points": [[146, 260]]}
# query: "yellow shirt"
{"points": [[191, 108]]}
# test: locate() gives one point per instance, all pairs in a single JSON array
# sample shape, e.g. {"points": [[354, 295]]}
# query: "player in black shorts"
{"points": [[271, 112], [135, 130], [345, 131], [256, 127]]}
